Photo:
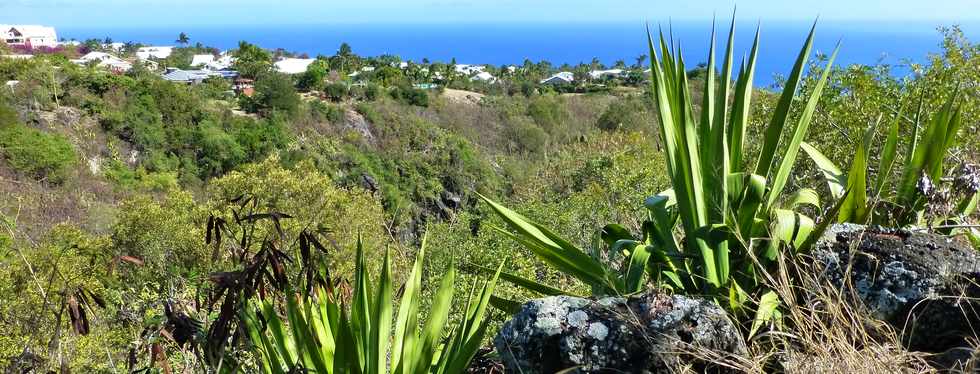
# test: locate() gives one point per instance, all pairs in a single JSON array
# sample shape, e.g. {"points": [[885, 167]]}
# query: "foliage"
{"points": [[623, 114], [274, 92], [725, 213], [314, 76], [410, 95], [251, 61], [35, 153], [335, 91], [322, 334], [922, 173]]}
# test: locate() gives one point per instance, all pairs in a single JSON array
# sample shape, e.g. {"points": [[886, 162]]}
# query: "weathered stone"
{"points": [[641, 334], [924, 284]]}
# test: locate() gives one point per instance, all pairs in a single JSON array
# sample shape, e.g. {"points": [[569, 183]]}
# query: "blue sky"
{"points": [[109, 13]]}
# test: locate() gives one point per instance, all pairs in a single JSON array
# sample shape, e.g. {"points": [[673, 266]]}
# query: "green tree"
{"points": [[182, 39], [315, 75], [251, 61], [274, 92]]}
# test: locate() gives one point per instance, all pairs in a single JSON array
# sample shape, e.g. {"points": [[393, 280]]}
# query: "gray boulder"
{"points": [[647, 333], [926, 285]]}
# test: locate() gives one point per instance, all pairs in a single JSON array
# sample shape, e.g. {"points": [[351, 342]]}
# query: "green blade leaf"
{"points": [[888, 152], [774, 131], [789, 157], [836, 179], [764, 314]]}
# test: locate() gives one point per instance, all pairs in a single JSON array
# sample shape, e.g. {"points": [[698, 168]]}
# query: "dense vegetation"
{"points": [[134, 212]]}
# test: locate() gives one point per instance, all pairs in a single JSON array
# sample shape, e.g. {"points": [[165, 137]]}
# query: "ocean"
{"points": [[894, 43]]}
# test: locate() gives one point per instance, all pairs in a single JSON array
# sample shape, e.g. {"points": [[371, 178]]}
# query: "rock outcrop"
{"points": [[648, 333], [926, 285]]}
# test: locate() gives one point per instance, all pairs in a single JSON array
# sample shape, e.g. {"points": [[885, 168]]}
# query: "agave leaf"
{"points": [[524, 283], [774, 131], [406, 324], [742, 106], [791, 227], [828, 219], [747, 192], [471, 330], [836, 179], [436, 321], [803, 196], [789, 155], [910, 173], [768, 304], [505, 305], [550, 248], [381, 325], [637, 268], [361, 312], [855, 208], [612, 233], [887, 161]]}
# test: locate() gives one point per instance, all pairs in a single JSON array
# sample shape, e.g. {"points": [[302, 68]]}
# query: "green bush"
{"points": [[623, 114], [36, 154], [335, 91], [410, 96], [274, 92]]}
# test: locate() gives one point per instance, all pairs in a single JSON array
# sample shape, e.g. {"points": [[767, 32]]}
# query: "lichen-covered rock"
{"points": [[923, 284], [641, 334]]}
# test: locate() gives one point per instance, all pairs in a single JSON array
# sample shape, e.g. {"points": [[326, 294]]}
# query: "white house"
{"points": [[159, 52], [105, 60], [201, 60], [363, 69], [222, 63], [484, 77], [117, 46], [30, 36], [293, 65], [469, 69], [559, 78], [610, 73]]}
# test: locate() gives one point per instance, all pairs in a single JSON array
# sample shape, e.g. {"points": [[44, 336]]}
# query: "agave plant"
{"points": [[733, 217], [922, 169], [320, 333]]}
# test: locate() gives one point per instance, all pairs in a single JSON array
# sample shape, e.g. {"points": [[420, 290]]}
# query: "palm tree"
{"points": [[183, 38], [640, 60]]}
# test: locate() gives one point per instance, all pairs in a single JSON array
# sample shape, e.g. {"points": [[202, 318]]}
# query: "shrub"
{"points": [[36, 154], [323, 112], [528, 137], [273, 92], [623, 114], [372, 91], [335, 91], [410, 96]]}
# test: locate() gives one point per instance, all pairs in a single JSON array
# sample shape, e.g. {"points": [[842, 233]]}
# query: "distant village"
{"points": [[25, 41]]}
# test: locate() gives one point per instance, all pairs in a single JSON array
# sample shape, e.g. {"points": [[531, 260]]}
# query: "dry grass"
{"points": [[823, 331]]}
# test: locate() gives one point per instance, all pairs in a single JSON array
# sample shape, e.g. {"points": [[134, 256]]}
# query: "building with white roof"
{"points": [[469, 69], [158, 52], [105, 60], [559, 78], [202, 60], [293, 65], [610, 73], [29, 36], [117, 46], [484, 77]]}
